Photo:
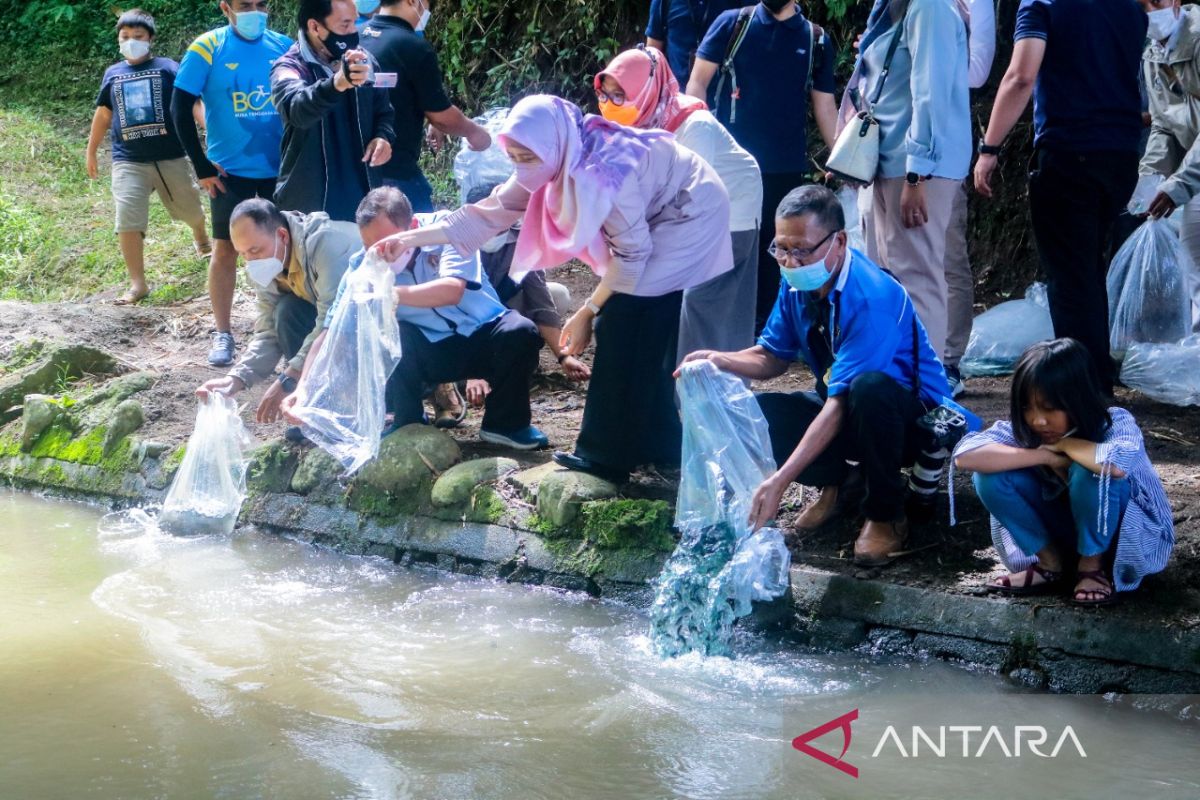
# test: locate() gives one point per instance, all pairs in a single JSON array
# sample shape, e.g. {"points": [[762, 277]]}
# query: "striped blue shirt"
{"points": [[1147, 531]]}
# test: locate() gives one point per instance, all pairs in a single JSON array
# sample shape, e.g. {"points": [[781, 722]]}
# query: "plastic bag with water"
{"points": [[207, 492], [1169, 373], [1148, 298], [479, 168], [719, 567], [848, 197], [341, 397], [1002, 333], [1143, 193]]}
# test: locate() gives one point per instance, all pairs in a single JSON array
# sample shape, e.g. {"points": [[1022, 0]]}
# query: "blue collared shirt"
{"points": [[479, 304], [871, 326], [924, 111]]}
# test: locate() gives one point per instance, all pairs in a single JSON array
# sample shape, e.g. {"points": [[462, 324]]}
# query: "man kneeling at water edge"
{"points": [[854, 326], [452, 327]]}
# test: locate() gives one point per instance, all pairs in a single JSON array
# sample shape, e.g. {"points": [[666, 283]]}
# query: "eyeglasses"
{"points": [[796, 253], [605, 97]]}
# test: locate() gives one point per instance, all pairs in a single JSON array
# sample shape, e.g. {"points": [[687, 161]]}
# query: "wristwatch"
{"points": [[592, 307], [912, 178], [287, 382], [989, 149]]}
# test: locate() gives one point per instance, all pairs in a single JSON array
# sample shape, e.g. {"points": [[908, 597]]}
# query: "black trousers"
{"points": [[775, 188], [630, 417], [879, 432], [1074, 202], [503, 352], [295, 319]]}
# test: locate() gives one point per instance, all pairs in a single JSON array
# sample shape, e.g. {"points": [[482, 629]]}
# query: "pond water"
{"points": [[134, 664]]}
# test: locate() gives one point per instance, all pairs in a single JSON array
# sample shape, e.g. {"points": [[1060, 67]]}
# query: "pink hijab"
{"points": [[646, 78], [591, 158]]}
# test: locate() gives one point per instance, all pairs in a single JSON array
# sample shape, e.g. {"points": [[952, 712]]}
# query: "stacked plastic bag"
{"points": [[341, 396], [719, 567], [848, 198], [1168, 373], [207, 491], [1002, 333], [481, 168], [1148, 300]]}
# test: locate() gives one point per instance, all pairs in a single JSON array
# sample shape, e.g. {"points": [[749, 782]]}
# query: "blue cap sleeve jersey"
{"points": [[874, 332], [233, 76]]}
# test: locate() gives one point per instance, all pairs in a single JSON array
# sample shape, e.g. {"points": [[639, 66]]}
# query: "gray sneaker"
{"points": [[223, 346]]}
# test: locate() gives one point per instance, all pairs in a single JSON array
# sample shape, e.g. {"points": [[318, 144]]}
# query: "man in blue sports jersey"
{"points": [[230, 69]]}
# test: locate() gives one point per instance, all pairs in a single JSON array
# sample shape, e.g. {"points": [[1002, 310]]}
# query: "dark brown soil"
{"points": [[173, 341]]}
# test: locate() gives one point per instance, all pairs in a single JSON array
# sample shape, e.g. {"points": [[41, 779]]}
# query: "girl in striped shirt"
{"points": [[1068, 479]]}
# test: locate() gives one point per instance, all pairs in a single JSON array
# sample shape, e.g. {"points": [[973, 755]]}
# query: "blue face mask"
{"points": [[366, 6], [810, 277], [250, 25]]}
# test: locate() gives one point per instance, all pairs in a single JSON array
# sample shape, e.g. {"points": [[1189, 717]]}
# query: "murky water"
{"points": [[137, 665]]}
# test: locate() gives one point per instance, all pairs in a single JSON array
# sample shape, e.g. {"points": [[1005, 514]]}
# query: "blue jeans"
{"points": [[1035, 511]]}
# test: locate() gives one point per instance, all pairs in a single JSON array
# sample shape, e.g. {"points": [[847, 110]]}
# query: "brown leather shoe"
{"points": [[449, 406], [878, 540], [820, 511]]}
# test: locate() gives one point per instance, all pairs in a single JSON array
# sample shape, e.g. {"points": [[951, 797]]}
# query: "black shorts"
{"points": [[236, 190]]}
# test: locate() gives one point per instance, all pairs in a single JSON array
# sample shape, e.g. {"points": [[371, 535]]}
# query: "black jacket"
{"points": [[305, 105]]}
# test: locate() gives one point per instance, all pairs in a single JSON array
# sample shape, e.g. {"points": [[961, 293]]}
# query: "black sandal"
{"points": [[1051, 582], [1108, 595]]}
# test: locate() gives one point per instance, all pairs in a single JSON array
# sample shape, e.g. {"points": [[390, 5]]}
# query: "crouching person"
{"points": [[295, 262], [452, 327], [854, 326]]}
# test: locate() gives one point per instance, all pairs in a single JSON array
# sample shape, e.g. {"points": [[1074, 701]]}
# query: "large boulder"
{"points": [[270, 468], [62, 363], [408, 458], [39, 413], [126, 418], [455, 485], [317, 471], [562, 493]]}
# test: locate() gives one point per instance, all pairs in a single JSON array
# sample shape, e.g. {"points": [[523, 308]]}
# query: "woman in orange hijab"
{"points": [[637, 89]]}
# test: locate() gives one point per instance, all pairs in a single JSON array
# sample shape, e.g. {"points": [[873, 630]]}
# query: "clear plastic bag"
{"points": [[719, 567], [207, 492], [342, 395], [848, 197], [1169, 373], [1143, 193], [1148, 298], [1002, 333], [480, 168]]}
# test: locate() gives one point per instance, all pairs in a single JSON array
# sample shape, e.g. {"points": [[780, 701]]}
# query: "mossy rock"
{"points": [[561, 495], [455, 486], [126, 418], [408, 458], [60, 442], [317, 470], [41, 377], [271, 468], [39, 413], [614, 524]]}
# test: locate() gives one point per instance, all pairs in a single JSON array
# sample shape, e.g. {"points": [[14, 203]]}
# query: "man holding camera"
{"points": [[337, 124]]}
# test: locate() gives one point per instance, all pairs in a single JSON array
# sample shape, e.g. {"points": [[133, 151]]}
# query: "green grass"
{"points": [[56, 225]]}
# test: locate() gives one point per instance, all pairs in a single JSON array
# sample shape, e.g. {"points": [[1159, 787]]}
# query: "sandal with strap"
{"points": [[1107, 595], [1051, 582]]}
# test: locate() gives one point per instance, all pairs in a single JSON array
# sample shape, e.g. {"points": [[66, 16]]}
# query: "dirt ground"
{"points": [[173, 341]]}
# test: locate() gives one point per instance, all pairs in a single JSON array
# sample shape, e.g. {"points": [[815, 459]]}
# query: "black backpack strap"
{"points": [[816, 39], [740, 26]]}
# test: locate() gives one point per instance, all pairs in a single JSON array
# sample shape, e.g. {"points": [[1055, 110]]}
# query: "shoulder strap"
{"points": [[816, 38], [891, 53], [740, 26]]}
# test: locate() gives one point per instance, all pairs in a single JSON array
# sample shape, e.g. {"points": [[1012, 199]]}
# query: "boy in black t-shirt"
{"points": [[134, 103]]}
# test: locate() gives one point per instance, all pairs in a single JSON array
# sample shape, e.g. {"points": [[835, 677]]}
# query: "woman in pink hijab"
{"points": [[649, 217], [638, 89]]}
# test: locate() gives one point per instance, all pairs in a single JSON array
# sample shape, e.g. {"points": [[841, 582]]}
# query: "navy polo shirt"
{"points": [[772, 73], [1086, 97], [871, 325], [687, 21]]}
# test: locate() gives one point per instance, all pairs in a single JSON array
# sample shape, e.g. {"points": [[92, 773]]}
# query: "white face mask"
{"points": [[264, 270], [1162, 24], [495, 243], [135, 49], [423, 21]]}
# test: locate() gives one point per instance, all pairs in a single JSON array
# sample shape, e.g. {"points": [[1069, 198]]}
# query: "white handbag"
{"points": [[855, 154]]}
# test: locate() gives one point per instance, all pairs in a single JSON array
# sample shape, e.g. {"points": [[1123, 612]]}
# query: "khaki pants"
{"points": [[133, 182], [916, 256], [960, 283]]}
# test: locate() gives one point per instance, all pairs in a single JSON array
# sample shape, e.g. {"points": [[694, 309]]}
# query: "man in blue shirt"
{"points": [[1080, 61], [781, 63], [676, 27], [854, 326], [452, 327], [230, 69]]}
